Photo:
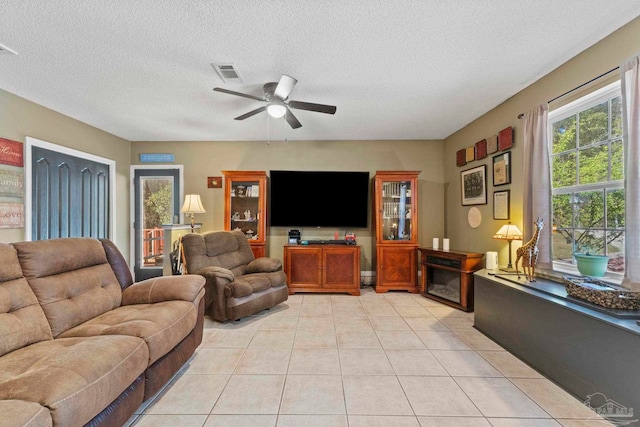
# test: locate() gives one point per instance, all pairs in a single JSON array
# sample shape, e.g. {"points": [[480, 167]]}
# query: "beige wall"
{"points": [[203, 159], [20, 118], [441, 213], [600, 58]]}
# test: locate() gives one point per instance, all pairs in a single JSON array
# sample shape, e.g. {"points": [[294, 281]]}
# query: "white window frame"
{"points": [[592, 99]]}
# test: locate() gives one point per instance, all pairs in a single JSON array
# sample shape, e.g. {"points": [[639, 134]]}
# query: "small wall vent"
{"points": [[6, 51], [228, 73]]}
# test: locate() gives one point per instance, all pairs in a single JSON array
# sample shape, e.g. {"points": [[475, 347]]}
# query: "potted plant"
{"points": [[591, 265], [589, 262]]}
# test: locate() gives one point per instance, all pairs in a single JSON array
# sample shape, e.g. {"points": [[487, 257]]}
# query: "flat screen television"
{"points": [[319, 199]]}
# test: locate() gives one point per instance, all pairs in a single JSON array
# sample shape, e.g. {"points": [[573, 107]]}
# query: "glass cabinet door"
{"points": [[396, 221], [245, 208]]}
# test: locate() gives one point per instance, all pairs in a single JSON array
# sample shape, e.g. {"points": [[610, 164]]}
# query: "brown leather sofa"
{"points": [[238, 284], [80, 343]]}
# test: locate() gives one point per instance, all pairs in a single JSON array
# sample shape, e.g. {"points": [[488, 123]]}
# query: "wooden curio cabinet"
{"points": [[245, 206], [396, 222]]}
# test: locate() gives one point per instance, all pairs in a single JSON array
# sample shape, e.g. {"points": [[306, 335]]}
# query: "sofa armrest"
{"points": [[215, 301], [216, 273], [264, 265], [166, 288]]}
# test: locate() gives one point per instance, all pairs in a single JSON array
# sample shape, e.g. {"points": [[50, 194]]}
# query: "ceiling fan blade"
{"points": [[320, 108], [285, 86], [291, 119], [251, 113], [231, 92]]}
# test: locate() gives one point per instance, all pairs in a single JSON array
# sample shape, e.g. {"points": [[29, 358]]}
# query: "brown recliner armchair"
{"points": [[238, 284]]}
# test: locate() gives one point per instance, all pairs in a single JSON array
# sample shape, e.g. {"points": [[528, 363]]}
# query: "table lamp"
{"points": [[192, 205], [508, 232]]}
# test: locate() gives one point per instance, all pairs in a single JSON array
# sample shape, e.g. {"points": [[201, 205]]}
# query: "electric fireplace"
{"points": [[447, 276]]}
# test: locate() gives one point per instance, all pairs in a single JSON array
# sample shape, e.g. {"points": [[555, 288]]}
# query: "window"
{"points": [[587, 178]]}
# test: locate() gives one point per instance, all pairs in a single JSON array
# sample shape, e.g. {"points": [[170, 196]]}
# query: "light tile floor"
{"points": [[394, 359]]}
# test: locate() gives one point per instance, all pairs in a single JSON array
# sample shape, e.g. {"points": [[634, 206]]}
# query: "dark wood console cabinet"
{"points": [[447, 276], [575, 344], [322, 268]]}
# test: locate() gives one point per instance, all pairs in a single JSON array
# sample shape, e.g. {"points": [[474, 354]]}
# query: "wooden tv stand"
{"points": [[322, 268]]}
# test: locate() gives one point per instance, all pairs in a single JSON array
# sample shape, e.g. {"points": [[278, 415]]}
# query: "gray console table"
{"points": [[581, 347]]}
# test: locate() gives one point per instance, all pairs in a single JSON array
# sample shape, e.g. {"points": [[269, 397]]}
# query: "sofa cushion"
{"points": [[264, 265], [71, 278], [276, 278], [162, 325], [246, 285], [25, 414], [22, 321], [74, 377]]}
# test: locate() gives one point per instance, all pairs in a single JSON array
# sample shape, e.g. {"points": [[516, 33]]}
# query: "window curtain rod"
{"points": [[521, 115]]}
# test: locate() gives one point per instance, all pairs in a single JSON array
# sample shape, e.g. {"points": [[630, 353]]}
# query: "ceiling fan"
{"points": [[276, 95]]}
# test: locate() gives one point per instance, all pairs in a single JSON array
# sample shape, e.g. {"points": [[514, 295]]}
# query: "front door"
{"points": [[156, 203]]}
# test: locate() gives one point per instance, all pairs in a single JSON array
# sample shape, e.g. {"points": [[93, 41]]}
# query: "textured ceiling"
{"points": [[396, 69]]}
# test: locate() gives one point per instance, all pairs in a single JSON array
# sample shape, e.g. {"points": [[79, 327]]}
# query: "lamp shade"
{"points": [[508, 232], [192, 204]]}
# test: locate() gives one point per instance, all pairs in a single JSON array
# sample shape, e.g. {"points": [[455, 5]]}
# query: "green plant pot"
{"points": [[591, 265]]}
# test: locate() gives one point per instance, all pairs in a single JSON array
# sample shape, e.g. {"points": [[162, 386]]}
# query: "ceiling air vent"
{"points": [[228, 73], [5, 50]]}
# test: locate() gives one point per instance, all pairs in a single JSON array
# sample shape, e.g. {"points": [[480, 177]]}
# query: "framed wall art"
{"points": [[214, 182], [473, 184], [501, 204], [492, 144], [481, 149], [471, 153], [505, 139], [502, 169]]}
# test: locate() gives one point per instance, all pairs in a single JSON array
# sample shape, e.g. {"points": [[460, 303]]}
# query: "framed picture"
{"points": [[505, 139], [492, 144], [502, 169], [501, 204], [461, 157], [474, 186], [471, 153], [481, 149], [214, 182]]}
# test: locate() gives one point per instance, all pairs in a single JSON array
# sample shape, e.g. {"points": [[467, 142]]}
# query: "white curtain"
{"points": [[630, 84], [537, 181]]}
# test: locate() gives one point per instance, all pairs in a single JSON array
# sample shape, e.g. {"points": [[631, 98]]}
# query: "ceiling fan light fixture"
{"points": [[276, 97], [276, 110]]}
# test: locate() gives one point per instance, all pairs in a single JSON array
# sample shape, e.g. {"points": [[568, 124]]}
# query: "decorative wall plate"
{"points": [[474, 217]]}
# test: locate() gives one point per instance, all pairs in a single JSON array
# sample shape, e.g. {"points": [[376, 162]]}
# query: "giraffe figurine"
{"points": [[529, 253]]}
